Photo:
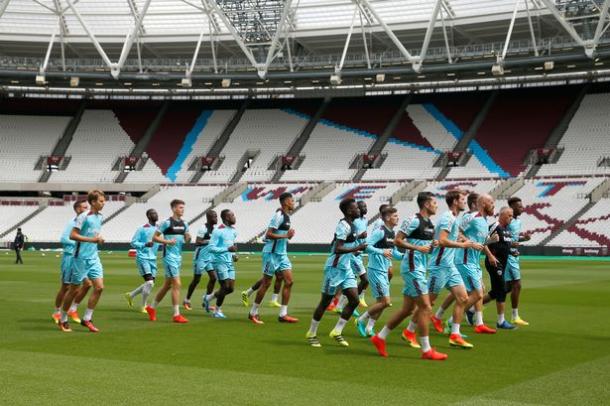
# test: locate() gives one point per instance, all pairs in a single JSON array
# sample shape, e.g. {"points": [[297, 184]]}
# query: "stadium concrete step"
{"points": [[64, 142], [471, 133]]}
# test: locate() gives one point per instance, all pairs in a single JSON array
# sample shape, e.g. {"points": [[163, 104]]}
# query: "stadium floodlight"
{"points": [[549, 65], [380, 78], [41, 80], [335, 79], [186, 82], [225, 83], [74, 81], [497, 69]]}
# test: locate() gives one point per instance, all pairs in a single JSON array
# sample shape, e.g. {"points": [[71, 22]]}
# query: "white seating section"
{"points": [[197, 199], [12, 215], [595, 223], [404, 162], [97, 143], [255, 207], [431, 129], [23, 139], [50, 222], [586, 140], [328, 154], [210, 133], [316, 221], [271, 131]]}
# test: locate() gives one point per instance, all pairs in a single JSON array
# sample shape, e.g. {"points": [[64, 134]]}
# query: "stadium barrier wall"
{"points": [[323, 248]]}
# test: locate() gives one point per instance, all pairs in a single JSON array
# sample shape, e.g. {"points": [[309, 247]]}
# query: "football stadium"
{"points": [[308, 202]]}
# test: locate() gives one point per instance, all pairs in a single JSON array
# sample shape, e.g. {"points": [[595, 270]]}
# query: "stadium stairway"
{"points": [[567, 225], [470, 134], [140, 147], [64, 142], [296, 148], [561, 128], [220, 143], [381, 141], [226, 195], [507, 188]]}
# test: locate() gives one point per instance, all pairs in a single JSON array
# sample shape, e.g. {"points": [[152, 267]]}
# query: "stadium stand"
{"points": [[14, 211], [586, 143], [326, 212], [98, 142], [197, 199], [590, 230], [255, 206], [50, 222], [265, 133], [23, 140]]}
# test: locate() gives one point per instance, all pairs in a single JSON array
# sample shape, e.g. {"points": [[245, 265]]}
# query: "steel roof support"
{"points": [[447, 46], [564, 23], [531, 26], [339, 67], [286, 15], [45, 63], [603, 15], [509, 33], [131, 37], [366, 5], [216, 10], [424, 49], [365, 42], [91, 36]]}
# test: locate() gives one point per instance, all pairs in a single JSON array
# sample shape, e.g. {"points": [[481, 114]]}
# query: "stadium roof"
{"points": [[203, 38]]}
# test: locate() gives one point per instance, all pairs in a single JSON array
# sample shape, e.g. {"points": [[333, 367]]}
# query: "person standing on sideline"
{"points": [[18, 245]]}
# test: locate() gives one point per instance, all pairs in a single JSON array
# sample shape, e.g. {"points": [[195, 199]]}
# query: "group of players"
{"points": [[433, 257]]}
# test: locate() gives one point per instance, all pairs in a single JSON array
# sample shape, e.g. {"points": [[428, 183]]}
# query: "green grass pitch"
{"points": [[562, 358]]}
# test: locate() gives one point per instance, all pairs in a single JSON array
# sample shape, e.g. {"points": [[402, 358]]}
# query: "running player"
{"points": [[416, 236], [381, 250], [202, 258], [87, 264], [338, 274], [146, 258], [474, 227], [472, 209], [275, 260], [67, 260], [223, 249], [501, 251], [357, 263], [173, 233], [512, 274], [443, 273]]}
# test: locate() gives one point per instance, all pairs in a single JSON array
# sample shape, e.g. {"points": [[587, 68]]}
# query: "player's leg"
{"points": [[176, 284], [167, 285], [59, 299], [189, 293], [277, 289], [380, 289], [68, 298], [212, 278], [142, 270], [288, 282], [350, 291], [98, 288], [379, 340], [80, 296], [227, 286], [461, 302], [423, 314], [245, 295], [440, 312], [260, 295], [312, 333]]}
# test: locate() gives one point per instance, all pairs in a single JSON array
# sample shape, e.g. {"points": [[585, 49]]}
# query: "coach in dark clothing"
{"points": [[500, 249], [18, 245]]}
